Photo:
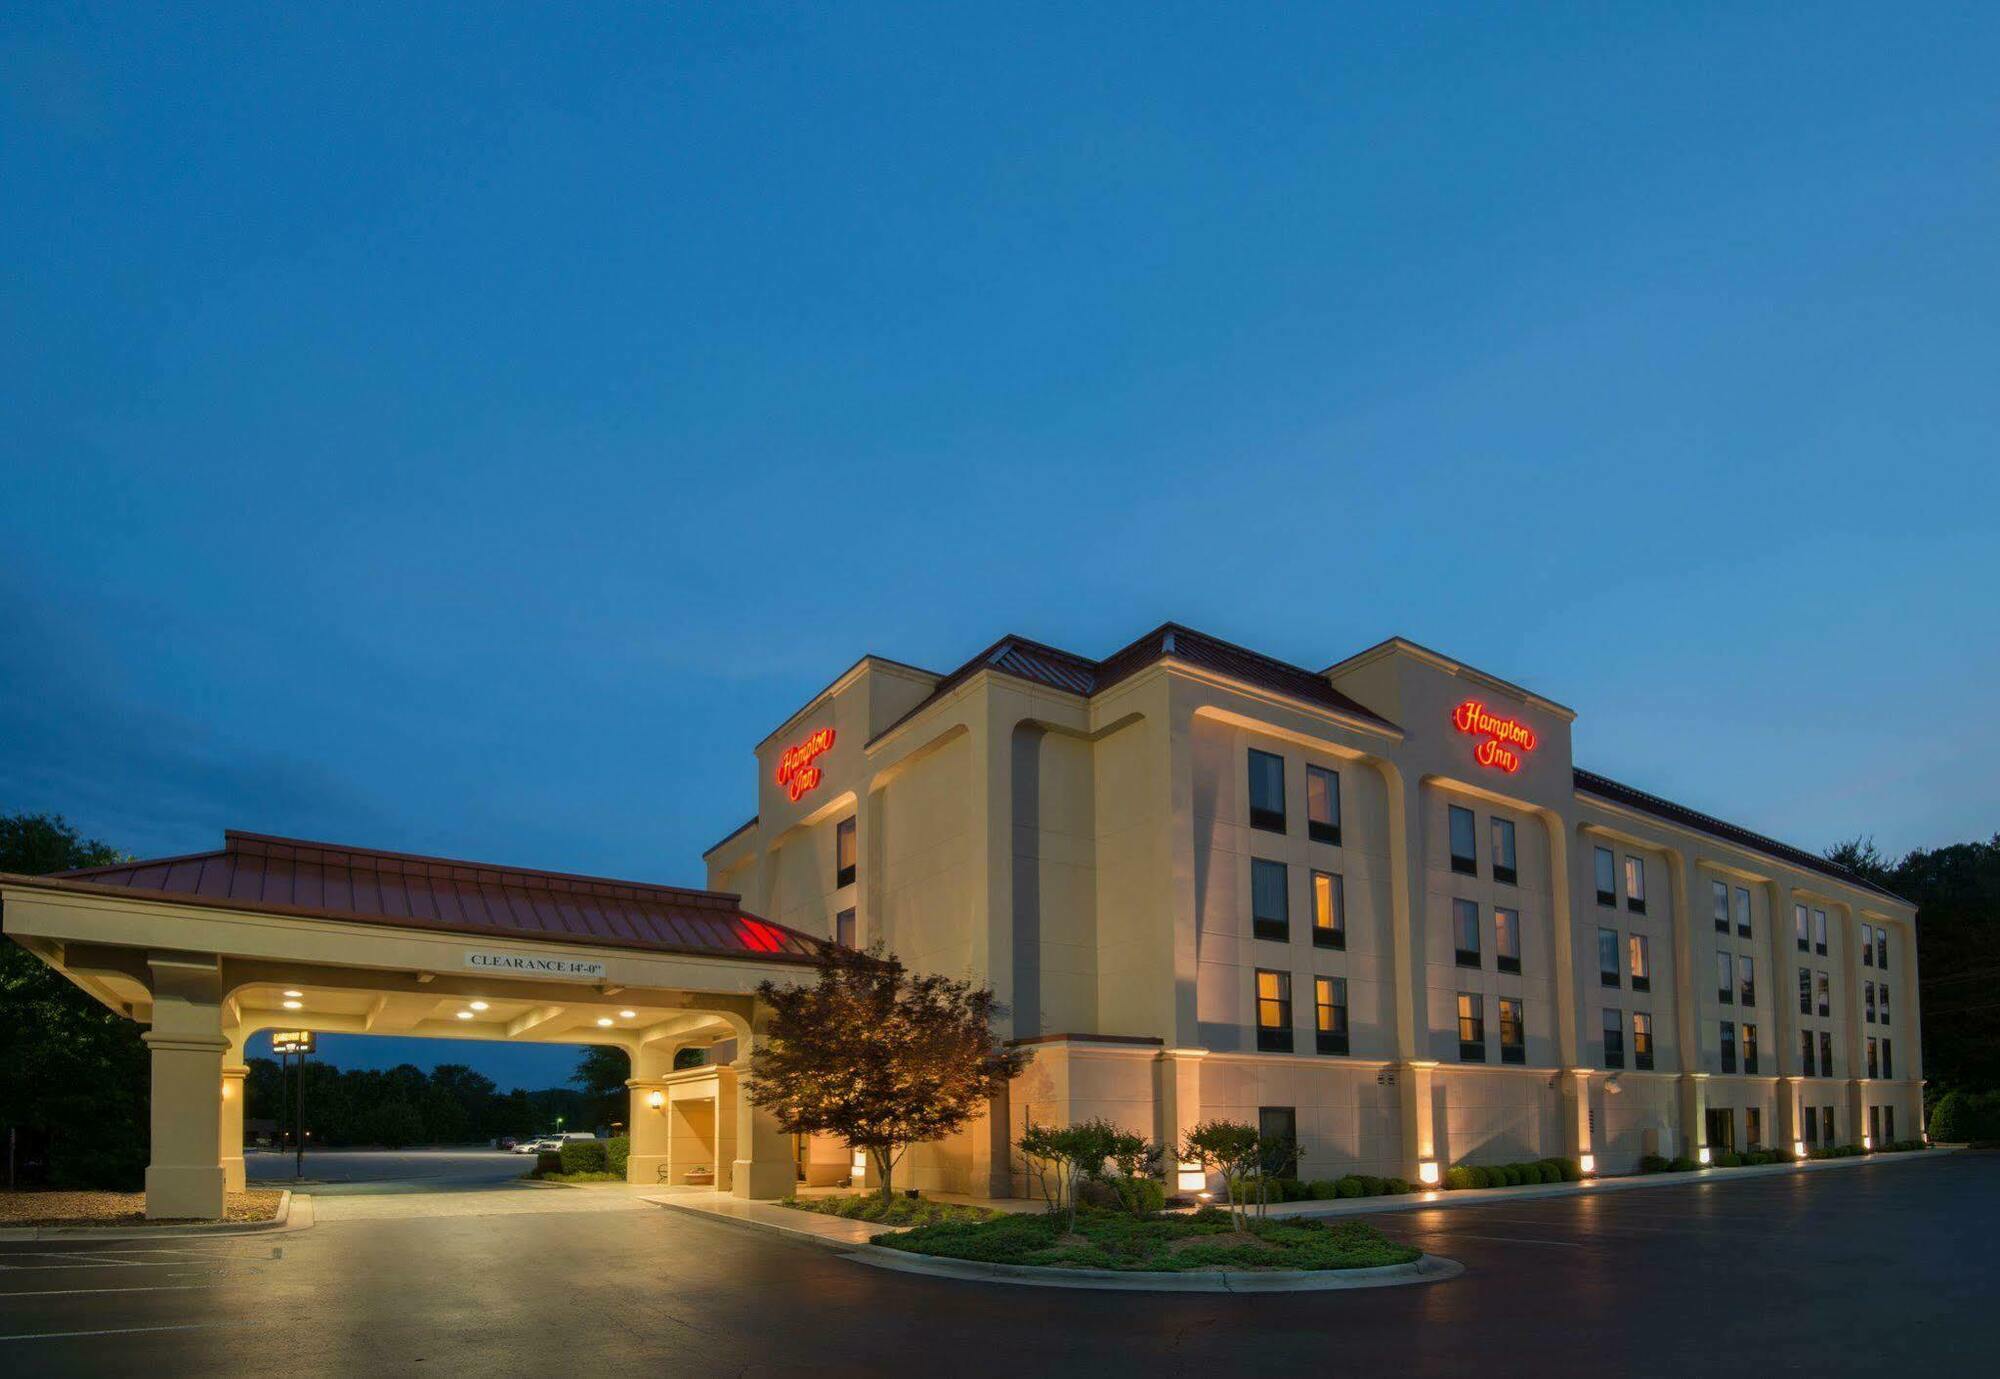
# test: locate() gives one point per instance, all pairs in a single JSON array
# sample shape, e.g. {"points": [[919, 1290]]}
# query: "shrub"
{"points": [[1481, 1176], [1654, 1163], [1459, 1176], [1349, 1186], [548, 1161], [617, 1153], [1140, 1196], [1729, 1158], [1569, 1170], [582, 1156], [1551, 1173], [1681, 1163], [1399, 1186], [1371, 1186], [1323, 1189]]}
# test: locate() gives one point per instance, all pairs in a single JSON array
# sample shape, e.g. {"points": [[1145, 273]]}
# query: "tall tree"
{"points": [[73, 1076], [878, 1057], [601, 1072]]}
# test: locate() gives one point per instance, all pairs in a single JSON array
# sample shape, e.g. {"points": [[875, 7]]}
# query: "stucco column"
{"points": [[234, 1089], [1694, 1113], [1413, 1098], [1783, 982], [1406, 893], [1683, 881], [1850, 978], [647, 1124], [1789, 1131], [185, 1178], [1176, 1111], [1577, 1143], [763, 1167], [1562, 934], [1857, 1109]]}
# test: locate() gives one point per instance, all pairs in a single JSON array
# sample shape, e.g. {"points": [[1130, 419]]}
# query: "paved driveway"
{"points": [[1880, 1269], [336, 1172]]}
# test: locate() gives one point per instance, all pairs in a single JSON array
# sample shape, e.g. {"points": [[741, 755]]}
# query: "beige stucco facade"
{"points": [[1079, 835]]}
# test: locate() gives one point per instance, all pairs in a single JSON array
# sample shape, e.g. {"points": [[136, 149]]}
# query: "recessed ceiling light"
{"points": [[478, 1005], [465, 1015], [295, 1005], [628, 1014], [295, 993], [604, 1022]]}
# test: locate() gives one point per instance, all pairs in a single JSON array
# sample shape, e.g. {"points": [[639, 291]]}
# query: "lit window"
{"points": [[843, 853], [1749, 1049], [1503, 850], [1614, 1038], [1607, 877], [1464, 841], [1330, 1011], [1513, 1033], [1465, 931], [1329, 910], [1642, 1041], [1270, 903], [1322, 805], [1799, 927], [1267, 791], [1507, 939], [1607, 957], [1639, 954], [1635, 885], [1471, 1027], [1274, 1011]]}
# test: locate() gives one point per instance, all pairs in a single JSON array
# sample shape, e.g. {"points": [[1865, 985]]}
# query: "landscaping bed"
{"points": [[896, 1211], [58, 1208], [1205, 1240]]}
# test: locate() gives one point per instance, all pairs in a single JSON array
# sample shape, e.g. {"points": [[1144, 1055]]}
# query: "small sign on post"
{"points": [[285, 1042], [291, 1041]]}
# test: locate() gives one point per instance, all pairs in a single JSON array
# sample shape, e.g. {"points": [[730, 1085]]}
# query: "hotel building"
{"points": [[1375, 905]]}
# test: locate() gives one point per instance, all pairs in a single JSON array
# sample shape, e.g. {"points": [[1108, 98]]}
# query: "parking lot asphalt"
{"points": [[338, 1172], [1882, 1268]]}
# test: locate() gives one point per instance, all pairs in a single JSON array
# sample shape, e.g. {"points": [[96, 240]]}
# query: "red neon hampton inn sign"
{"points": [[796, 769], [1502, 741]]}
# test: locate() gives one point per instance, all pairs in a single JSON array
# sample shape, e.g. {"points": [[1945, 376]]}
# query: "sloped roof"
{"points": [[1041, 664], [1605, 788], [288, 876]]}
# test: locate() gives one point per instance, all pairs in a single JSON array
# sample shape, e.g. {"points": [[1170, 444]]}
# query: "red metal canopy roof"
{"points": [[288, 876]]}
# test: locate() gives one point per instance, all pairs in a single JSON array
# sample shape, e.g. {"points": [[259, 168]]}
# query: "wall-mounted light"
{"points": [[1427, 1173], [1589, 1163], [656, 1099], [1702, 1154]]}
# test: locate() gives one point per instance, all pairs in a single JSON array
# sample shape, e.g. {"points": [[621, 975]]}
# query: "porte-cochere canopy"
{"points": [[209, 949]]}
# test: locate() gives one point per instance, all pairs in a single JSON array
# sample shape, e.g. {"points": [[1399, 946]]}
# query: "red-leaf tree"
{"points": [[878, 1057]]}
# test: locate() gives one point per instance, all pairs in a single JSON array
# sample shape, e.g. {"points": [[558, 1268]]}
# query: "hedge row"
{"points": [[1514, 1175], [1751, 1158], [1966, 1117]]}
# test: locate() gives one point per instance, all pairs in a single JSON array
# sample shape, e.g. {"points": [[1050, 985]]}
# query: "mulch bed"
{"points": [[58, 1208]]}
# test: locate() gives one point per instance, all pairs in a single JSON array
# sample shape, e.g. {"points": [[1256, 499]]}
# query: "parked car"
{"points": [[547, 1144], [569, 1135], [505, 1142]]}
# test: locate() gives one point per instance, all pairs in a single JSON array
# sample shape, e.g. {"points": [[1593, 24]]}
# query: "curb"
{"points": [[294, 1213], [1429, 1269]]}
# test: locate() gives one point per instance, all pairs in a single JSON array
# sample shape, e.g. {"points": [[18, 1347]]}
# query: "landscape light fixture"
{"points": [[1589, 1163], [1798, 1149], [1427, 1173], [1703, 1154]]}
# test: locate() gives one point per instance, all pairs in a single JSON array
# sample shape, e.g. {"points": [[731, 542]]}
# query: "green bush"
{"points": [[1681, 1163], [1399, 1186], [582, 1156], [548, 1161], [1371, 1186], [901, 1211], [1728, 1158], [1951, 1119], [1568, 1170], [617, 1153], [1482, 1176], [1143, 1196], [1551, 1173], [1323, 1189], [1459, 1176], [1654, 1163]]}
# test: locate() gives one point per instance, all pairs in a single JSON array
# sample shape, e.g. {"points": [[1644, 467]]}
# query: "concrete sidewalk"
{"points": [[805, 1225]]}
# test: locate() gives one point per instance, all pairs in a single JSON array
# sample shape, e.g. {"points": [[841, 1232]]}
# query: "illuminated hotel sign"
{"points": [[1502, 741], [796, 769]]}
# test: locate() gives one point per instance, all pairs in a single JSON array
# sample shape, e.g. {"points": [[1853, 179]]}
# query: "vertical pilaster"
{"points": [[649, 1124], [1406, 891], [1562, 929], [1693, 1090], [1177, 1107], [185, 1178], [1421, 1164], [1791, 1135], [1577, 1139], [230, 1133], [763, 1167]]}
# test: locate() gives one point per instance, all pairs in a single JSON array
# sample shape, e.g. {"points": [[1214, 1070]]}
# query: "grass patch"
{"points": [[592, 1177], [1167, 1244], [897, 1211]]}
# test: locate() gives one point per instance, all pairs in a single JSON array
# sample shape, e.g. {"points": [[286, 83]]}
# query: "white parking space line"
{"points": [[137, 1288], [1503, 1239], [114, 1331]]}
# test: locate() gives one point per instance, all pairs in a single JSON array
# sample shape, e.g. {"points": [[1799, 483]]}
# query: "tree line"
{"points": [[404, 1105]]}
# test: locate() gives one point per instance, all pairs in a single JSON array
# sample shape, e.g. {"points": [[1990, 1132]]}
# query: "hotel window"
{"points": [[1718, 894], [1867, 945], [1471, 1028], [1725, 979], [1267, 791], [1811, 1119], [843, 928], [1749, 1048], [1742, 912], [1753, 1127], [1323, 805], [1728, 1046], [1607, 957], [1875, 1125], [1868, 1002], [1819, 932], [1882, 1001], [1642, 1041], [1805, 991], [1882, 949], [1513, 1034], [843, 853], [1330, 1013], [1507, 939], [1279, 1127], [1746, 981], [1806, 1053], [1635, 885], [1274, 1011], [1270, 905], [1874, 1059], [1889, 1124], [1607, 877], [1639, 952], [1464, 841], [1503, 850], [1799, 927], [1888, 1059], [1826, 1053], [1826, 1124], [1329, 910], [1614, 1038], [1825, 990], [1465, 931]]}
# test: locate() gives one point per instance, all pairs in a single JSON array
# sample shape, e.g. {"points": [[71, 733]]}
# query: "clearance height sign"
{"points": [[1503, 742]]}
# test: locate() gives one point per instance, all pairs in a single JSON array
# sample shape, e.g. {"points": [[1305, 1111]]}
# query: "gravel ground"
{"points": [[117, 1208]]}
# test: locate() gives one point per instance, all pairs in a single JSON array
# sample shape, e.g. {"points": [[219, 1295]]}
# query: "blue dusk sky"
{"points": [[468, 432]]}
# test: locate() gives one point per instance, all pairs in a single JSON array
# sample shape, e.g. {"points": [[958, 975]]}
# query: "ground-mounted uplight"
{"points": [[1588, 1162], [477, 1005], [1192, 1178], [1867, 1141], [1798, 1149], [1427, 1173], [1702, 1154], [656, 1099], [294, 1005]]}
